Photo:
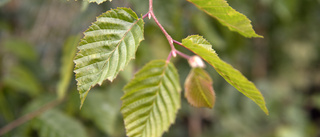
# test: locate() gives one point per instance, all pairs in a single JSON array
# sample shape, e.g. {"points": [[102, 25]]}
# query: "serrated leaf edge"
{"points": [[225, 76], [86, 93], [221, 20], [202, 94], [151, 111]]}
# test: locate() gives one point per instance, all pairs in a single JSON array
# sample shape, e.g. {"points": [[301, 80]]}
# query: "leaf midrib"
{"points": [[220, 18], [201, 91], [153, 103], [228, 79], [224, 75], [121, 40]]}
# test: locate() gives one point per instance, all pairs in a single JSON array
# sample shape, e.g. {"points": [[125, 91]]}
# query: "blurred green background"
{"points": [[285, 66]]}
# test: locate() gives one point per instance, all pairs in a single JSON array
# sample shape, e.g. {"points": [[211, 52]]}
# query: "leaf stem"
{"points": [[145, 15], [173, 51], [183, 55], [177, 42], [169, 56]]}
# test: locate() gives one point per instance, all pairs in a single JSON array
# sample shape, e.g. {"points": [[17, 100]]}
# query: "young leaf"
{"points": [[151, 100], [198, 88], [227, 16], [108, 46], [201, 47], [98, 1], [69, 51]]}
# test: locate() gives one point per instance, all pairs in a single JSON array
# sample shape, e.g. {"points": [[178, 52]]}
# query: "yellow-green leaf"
{"points": [[198, 88], [107, 47], [151, 100], [203, 48], [226, 15]]}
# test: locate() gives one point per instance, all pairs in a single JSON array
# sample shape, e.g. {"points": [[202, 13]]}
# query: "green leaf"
{"points": [[54, 123], [68, 52], [108, 46], [227, 16], [151, 100], [198, 88], [201, 47], [98, 1]]}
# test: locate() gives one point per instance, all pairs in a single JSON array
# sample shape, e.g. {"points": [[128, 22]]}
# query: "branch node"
{"points": [[174, 53], [149, 15]]}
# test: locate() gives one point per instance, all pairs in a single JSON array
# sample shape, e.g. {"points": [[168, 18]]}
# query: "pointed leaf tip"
{"points": [[227, 16], [202, 48], [107, 47]]}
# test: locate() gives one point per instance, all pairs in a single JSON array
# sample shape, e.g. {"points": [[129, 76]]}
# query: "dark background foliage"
{"points": [[285, 66]]}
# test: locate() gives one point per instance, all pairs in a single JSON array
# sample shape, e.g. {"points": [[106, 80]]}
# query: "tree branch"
{"points": [[169, 38], [28, 117]]}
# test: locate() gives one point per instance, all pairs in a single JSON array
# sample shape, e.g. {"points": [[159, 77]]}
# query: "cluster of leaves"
{"points": [[284, 66], [152, 98]]}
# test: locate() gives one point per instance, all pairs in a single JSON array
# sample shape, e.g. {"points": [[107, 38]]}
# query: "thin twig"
{"points": [[180, 53], [145, 15], [28, 117], [169, 38], [169, 57], [183, 55], [173, 51], [150, 6]]}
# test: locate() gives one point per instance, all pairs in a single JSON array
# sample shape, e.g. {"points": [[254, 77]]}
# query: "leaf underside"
{"points": [[151, 100], [107, 47], [198, 88], [203, 48], [227, 16]]}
